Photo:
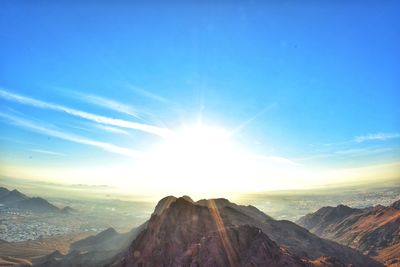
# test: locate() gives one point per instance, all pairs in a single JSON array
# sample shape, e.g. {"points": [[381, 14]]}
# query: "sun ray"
{"points": [[226, 243]]}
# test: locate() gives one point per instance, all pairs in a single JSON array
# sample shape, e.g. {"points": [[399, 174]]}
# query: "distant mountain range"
{"points": [[15, 199], [212, 232], [374, 231]]}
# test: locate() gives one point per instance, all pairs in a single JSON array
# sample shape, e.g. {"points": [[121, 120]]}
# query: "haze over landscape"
{"points": [[125, 127]]}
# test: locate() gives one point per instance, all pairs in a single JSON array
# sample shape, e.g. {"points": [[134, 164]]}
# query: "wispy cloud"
{"points": [[108, 104], [48, 152], [363, 151], [163, 132], [149, 95], [345, 153], [111, 129], [34, 126], [376, 137]]}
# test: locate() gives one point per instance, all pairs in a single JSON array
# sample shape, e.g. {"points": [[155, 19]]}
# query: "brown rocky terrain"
{"points": [[188, 234], [373, 231], [181, 232], [213, 232]]}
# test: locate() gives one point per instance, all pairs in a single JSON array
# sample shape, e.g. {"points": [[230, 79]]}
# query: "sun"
{"points": [[206, 161], [195, 159], [199, 147]]}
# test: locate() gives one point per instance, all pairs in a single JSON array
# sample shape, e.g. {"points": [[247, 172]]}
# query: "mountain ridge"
{"points": [[18, 200], [374, 231], [214, 232]]}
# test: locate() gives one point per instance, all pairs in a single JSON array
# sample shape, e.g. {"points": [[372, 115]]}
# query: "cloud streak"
{"points": [[111, 129], [376, 137], [108, 104], [149, 95], [47, 152], [69, 137], [345, 153], [163, 132]]}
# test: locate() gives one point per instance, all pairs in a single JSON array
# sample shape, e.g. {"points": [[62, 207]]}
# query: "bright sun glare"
{"points": [[199, 158], [197, 148], [206, 161]]}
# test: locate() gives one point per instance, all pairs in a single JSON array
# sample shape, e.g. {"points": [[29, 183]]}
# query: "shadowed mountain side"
{"points": [[249, 210], [17, 262], [35, 204], [32, 249], [7, 196], [94, 250], [298, 240], [317, 222], [17, 200], [396, 205], [373, 231], [186, 234]]}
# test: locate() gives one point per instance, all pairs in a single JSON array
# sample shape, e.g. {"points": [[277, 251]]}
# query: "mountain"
{"points": [[68, 210], [374, 231], [319, 221], [298, 240], [35, 204], [249, 210], [215, 232], [188, 234], [396, 205], [184, 224], [95, 250], [3, 191], [15, 199], [7, 196]]}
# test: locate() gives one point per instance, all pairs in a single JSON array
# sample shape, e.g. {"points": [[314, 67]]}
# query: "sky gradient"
{"points": [[309, 91]]}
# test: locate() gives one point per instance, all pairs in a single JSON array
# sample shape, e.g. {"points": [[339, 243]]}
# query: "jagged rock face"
{"points": [[187, 234], [396, 205], [164, 204], [298, 240], [317, 222], [250, 211], [373, 231]]}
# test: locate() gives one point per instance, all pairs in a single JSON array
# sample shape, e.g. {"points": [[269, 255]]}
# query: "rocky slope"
{"points": [[188, 234], [213, 232], [373, 231], [95, 250], [182, 232]]}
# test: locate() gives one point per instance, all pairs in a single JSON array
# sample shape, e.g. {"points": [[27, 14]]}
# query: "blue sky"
{"points": [[313, 83]]}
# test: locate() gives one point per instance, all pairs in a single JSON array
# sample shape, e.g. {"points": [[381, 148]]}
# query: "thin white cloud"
{"points": [[363, 151], [108, 104], [48, 152], [376, 137], [111, 129], [345, 153], [149, 95], [163, 132], [70, 137]]}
